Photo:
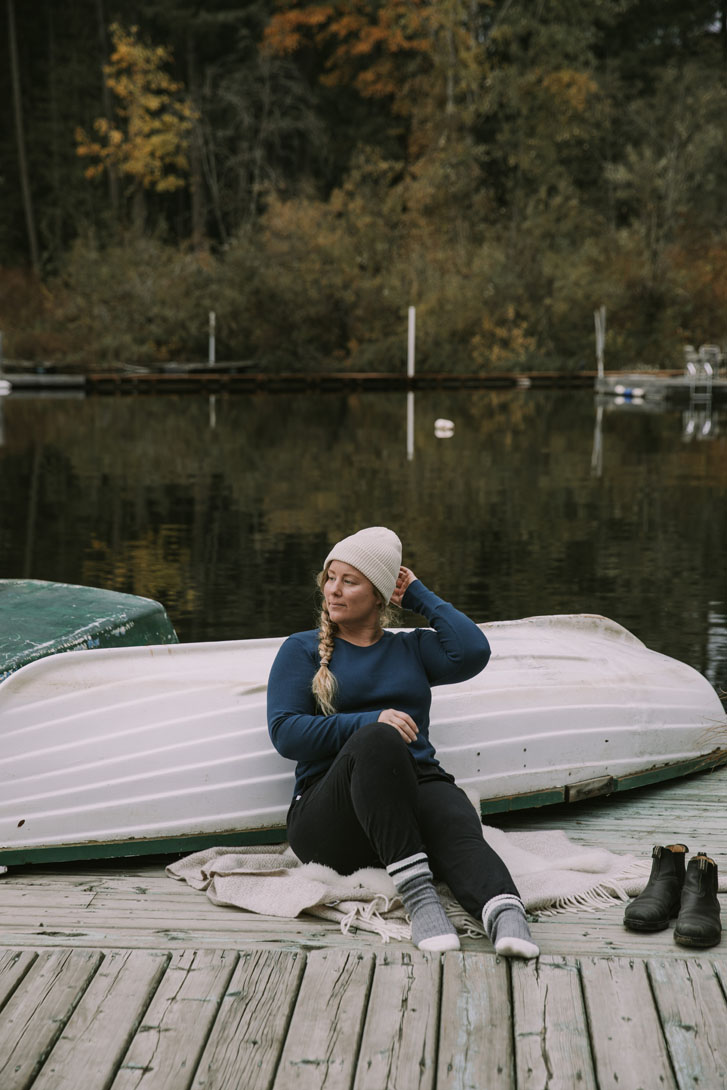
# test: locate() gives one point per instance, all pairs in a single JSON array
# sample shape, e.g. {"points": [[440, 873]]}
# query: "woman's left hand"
{"points": [[405, 578]]}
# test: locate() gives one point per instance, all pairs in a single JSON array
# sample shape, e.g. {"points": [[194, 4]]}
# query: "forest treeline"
{"points": [[308, 171]]}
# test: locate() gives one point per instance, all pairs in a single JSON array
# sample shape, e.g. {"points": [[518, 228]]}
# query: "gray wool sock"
{"points": [[507, 928], [431, 928]]}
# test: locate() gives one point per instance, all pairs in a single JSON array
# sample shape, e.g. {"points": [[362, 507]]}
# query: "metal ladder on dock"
{"points": [[700, 367]]}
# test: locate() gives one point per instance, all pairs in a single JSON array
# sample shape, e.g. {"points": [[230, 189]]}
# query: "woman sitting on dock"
{"points": [[350, 703]]}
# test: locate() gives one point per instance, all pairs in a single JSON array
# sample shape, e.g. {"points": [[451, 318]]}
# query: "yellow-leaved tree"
{"points": [[147, 139]]}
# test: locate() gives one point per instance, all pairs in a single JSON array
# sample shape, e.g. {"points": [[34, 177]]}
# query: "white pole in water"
{"points": [[212, 338], [597, 452], [410, 393], [599, 317]]}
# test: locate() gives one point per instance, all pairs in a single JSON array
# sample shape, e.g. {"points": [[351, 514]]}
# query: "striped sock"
{"points": [[507, 928], [431, 928]]}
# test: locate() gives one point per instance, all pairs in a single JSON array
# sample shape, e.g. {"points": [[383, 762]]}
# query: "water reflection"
{"points": [[224, 508], [700, 424], [700, 420]]}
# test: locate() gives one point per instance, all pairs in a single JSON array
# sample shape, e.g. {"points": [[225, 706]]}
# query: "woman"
{"points": [[350, 703]]}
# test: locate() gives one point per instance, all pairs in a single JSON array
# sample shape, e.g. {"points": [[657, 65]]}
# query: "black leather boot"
{"points": [[698, 923], [660, 900]]}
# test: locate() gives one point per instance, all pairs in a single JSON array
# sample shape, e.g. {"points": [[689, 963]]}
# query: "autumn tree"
{"points": [[413, 53], [148, 139]]}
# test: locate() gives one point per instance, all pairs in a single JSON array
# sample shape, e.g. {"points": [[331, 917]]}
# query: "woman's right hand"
{"points": [[400, 721]]}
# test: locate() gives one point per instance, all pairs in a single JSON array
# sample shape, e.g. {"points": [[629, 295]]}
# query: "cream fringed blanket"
{"points": [[552, 874]]}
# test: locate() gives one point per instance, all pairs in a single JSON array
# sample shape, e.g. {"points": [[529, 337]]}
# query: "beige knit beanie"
{"points": [[375, 552]]}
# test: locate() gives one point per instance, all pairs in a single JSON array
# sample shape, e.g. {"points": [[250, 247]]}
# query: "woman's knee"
{"points": [[379, 739], [379, 762]]}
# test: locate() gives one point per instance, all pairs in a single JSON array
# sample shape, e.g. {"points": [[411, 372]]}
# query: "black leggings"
{"points": [[375, 805]]}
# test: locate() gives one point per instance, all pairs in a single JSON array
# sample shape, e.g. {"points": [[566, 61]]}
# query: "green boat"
{"points": [[39, 618]]}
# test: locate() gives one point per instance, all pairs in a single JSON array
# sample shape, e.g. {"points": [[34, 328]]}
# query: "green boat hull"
{"points": [[39, 618]]}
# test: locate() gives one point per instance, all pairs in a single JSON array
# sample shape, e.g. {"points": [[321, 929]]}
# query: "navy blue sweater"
{"points": [[396, 672]]}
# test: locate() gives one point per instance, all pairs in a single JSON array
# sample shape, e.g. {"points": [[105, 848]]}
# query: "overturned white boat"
{"points": [[165, 748]]}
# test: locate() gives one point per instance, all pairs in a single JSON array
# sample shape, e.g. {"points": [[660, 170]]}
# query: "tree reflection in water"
{"points": [[225, 516]]}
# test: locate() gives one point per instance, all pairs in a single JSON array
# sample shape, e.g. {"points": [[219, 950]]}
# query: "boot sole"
{"points": [[688, 940], [637, 925]]}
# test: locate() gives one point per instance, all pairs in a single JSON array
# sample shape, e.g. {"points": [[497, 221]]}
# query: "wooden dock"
{"points": [[114, 976], [658, 388], [227, 379]]}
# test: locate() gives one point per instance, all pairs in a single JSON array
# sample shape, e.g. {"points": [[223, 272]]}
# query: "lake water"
{"points": [[224, 509]]}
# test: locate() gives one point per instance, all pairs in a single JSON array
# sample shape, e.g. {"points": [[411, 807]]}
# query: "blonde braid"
{"points": [[324, 683]]}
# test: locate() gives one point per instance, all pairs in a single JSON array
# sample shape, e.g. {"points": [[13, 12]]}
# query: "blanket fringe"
{"points": [[594, 899], [364, 917]]}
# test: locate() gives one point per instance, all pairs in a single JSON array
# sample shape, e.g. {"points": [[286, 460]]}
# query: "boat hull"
{"points": [[165, 748], [39, 618]]}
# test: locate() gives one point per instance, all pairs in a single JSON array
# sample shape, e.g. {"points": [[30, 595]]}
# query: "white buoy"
{"points": [[443, 429]]}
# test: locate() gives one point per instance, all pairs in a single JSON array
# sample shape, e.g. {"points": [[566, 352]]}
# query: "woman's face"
{"points": [[350, 596]]}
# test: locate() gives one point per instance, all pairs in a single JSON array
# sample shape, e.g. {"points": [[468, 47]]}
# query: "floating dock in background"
{"points": [[662, 387], [701, 383], [224, 380], [322, 381], [656, 387]]}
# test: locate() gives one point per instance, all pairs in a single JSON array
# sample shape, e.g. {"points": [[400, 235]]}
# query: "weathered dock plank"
{"points": [[14, 964], [399, 1043], [552, 1046], [252, 1023], [475, 1043], [720, 968], [322, 1044], [278, 1020], [573, 933], [36, 1014], [303, 934], [693, 1013], [622, 1020], [16, 899], [105, 1020], [168, 1044]]}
